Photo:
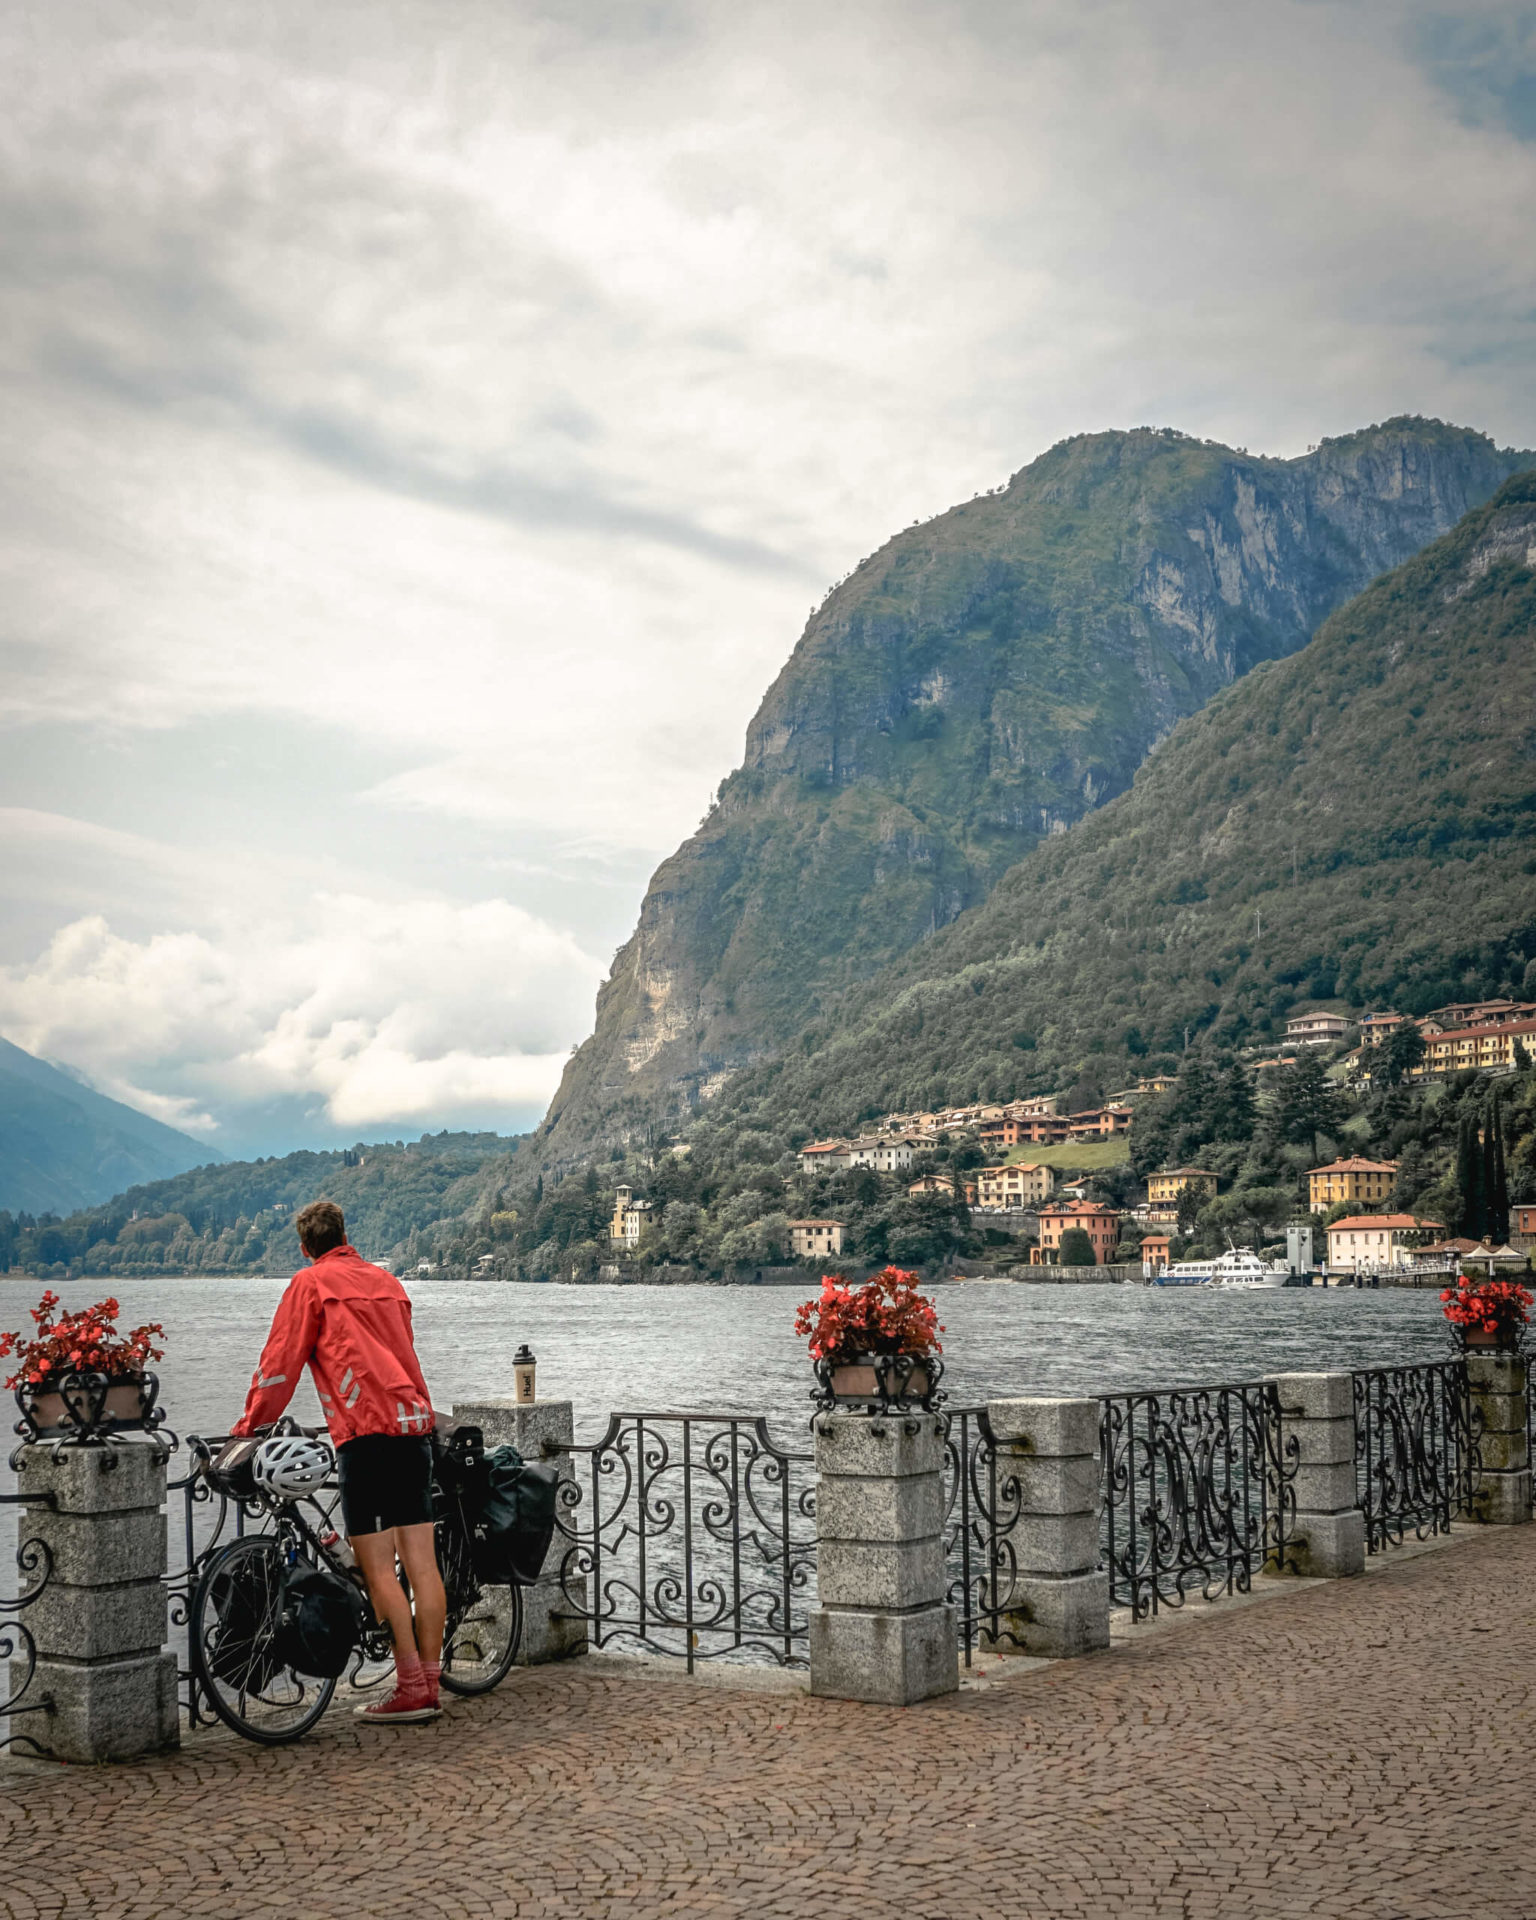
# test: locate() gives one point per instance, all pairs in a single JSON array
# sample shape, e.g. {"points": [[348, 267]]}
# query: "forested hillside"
{"points": [[1357, 822], [403, 1201], [982, 683], [64, 1145]]}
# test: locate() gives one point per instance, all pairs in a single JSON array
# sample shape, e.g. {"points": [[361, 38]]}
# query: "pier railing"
{"points": [[1417, 1450], [1198, 1492], [690, 1534]]}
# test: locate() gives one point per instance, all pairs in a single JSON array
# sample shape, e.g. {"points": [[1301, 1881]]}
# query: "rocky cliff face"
{"points": [[979, 684]]}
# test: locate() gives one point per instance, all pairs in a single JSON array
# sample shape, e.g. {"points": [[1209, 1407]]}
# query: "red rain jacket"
{"points": [[350, 1323]]}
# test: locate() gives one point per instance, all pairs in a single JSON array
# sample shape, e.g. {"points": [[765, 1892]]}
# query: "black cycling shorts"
{"points": [[386, 1481]]}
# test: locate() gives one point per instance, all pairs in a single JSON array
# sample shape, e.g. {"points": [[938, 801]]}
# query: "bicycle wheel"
{"points": [[485, 1623], [232, 1632]]}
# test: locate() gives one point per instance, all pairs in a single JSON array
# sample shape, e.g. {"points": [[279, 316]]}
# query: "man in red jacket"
{"points": [[350, 1323]]}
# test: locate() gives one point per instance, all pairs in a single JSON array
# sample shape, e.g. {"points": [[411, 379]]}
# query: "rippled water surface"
{"points": [[653, 1348]]}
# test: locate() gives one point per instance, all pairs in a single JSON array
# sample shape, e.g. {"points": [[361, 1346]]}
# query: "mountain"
{"points": [[237, 1217], [982, 683], [63, 1145], [1356, 824]]}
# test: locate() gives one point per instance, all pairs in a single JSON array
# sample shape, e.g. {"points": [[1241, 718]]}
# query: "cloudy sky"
{"points": [[428, 426]]}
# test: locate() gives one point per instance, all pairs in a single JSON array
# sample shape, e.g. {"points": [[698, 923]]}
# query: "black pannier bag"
{"points": [[241, 1652], [515, 1521], [320, 1621]]}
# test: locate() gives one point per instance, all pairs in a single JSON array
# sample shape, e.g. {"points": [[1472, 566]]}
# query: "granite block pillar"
{"points": [[537, 1429], [103, 1674], [1048, 1474], [1325, 1537], [1497, 1384], [882, 1630]]}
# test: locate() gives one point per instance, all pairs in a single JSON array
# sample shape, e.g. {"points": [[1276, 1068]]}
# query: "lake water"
{"points": [[638, 1348]]}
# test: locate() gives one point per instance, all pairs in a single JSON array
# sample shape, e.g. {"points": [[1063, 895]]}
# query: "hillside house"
{"points": [[1522, 1228], [1008, 1188], [1163, 1190], [1100, 1223], [1366, 1183], [1156, 1250], [823, 1156], [1363, 1240], [816, 1239], [945, 1183], [1477, 1013], [1377, 1027], [1485, 1049], [1099, 1123], [1316, 1029], [883, 1156], [630, 1218]]}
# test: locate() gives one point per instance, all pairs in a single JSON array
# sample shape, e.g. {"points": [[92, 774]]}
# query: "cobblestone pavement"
{"points": [[1363, 1749]]}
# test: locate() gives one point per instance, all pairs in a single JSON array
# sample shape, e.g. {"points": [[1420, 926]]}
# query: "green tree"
{"points": [[1307, 1103], [1076, 1249], [1403, 1052]]}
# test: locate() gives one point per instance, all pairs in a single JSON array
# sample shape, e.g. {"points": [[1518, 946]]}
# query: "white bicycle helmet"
{"points": [[290, 1465]]}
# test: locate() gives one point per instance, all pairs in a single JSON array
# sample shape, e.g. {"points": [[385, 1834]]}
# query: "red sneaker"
{"points": [[401, 1709]]}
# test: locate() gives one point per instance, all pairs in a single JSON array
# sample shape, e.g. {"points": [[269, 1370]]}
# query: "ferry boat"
{"points": [[1239, 1268]]}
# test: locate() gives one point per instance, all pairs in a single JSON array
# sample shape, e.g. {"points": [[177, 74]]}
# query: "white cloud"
{"points": [[382, 1013]]}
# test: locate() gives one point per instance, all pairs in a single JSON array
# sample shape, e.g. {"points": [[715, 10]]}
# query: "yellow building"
{"points": [[629, 1218], [1484, 1049], [1163, 1189], [1023, 1185], [1361, 1182]]}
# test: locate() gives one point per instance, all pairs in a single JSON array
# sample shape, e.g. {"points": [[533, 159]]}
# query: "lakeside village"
{"points": [[1380, 1150]]}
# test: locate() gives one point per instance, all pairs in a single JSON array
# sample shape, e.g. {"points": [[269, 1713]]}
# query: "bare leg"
{"points": [[418, 1555], [376, 1556]]}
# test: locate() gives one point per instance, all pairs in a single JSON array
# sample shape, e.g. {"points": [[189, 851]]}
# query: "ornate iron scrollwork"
{"points": [[1417, 1450], [1198, 1492], [685, 1534], [982, 1509]]}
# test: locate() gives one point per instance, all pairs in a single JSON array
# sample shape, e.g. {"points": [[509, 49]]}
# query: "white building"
{"points": [[629, 1218], [1022, 1185], [884, 1156], [814, 1239], [823, 1156], [1316, 1029]]}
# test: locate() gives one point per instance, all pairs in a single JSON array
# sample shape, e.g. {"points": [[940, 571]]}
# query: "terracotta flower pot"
{"points": [[859, 1379], [1481, 1338], [123, 1405]]}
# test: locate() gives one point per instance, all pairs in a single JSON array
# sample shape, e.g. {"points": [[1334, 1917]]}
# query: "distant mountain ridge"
{"points": [[982, 683], [63, 1145], [1355, 824]]}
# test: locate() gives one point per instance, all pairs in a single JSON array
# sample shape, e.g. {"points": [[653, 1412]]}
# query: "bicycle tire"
{"points": [[264, 1553], [506, 1602]]}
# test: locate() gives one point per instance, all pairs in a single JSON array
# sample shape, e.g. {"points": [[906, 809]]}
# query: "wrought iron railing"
{"points": [[690, 1534], [1417, 1453], [982, 1509], [19, 1692], [1198, 1492]]}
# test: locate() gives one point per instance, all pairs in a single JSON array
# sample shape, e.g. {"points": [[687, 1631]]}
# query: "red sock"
{"points": [[431, 1673], [409, 1677]]}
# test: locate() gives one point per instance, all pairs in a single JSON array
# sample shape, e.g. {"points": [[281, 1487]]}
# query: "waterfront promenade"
{"points": [[1359, 1748]]}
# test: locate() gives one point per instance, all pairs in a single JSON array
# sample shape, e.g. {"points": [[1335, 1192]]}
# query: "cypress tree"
{"points": [[1469, 1170], [1498, 1181]]}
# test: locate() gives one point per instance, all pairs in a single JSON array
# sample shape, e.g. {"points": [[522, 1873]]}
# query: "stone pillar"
{"points": [[1325, 1538], [1058, 1602], [1497, 1384], [531, 1427], [99, 1625], [881, 1630]]}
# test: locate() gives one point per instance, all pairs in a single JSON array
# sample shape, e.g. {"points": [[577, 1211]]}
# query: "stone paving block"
{"points": [[894, 1445], [893, 1659], [892, 1574], [1053, 1427], [94, 1479], [850, 1508]]}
